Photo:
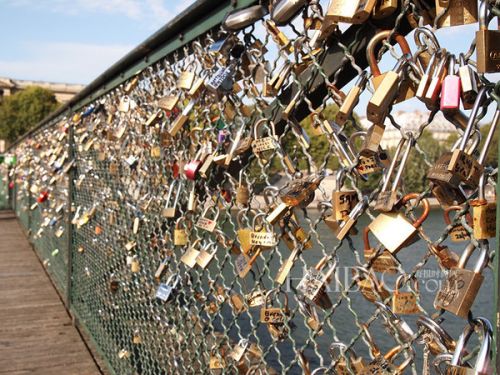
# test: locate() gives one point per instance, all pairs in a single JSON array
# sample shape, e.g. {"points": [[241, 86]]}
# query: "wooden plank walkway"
{"points": [[36, 333]]}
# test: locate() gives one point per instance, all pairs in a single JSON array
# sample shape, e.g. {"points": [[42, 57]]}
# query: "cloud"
{"points": [[63, 62], [153, 13]]}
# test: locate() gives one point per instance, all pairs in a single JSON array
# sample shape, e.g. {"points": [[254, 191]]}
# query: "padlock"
{"points": [[379, 262], [244, 233], [239, 19], [162, 267], [237, 303], [433, 90], [355, 12], [369, 162], [456, 13], [383, 364], [484, 214], [451, 89], [346, 360], [301, 192], [457, 233], [206, 254], [190, 255], [167, 291], [205, 222], [181, 119], [384, 8], [44, 196], [484, 356], [244, 262], [427, 47], [276, 318], [447, 187], [295, 236], [262, 234], [470, 83], [278, 36], [386, 200], [311, 315], [284, 11], [285, 268], [394, 230], [217, 361], [372, 139], [192, 167], [314, 283], [242, 192], [434, 336], [445, 257], [343, 200], [464, 166], [461, 286], [259, 145], [351, 99], [348, 224], [405, 91], [394, 325], [134, 264], [170, 210], [385, 94], [369, 286], [180, 234], [113, 283], [405, 302]]}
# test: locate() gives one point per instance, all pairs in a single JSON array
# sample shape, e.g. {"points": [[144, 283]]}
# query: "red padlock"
{"points": [[11, 185], [191, 169], [42, 197]]}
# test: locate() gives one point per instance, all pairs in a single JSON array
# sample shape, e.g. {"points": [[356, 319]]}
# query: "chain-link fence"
{"points": [[212, 212]]}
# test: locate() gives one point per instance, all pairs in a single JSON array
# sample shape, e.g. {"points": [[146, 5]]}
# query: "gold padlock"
{"points": [[405, 302]]}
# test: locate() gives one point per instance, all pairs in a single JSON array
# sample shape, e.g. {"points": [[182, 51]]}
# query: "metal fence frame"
{"points": [[176, 34]]}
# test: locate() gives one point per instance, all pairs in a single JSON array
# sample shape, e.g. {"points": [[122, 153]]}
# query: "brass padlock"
{"points": [[457, 12], [394, 230], [445, 257], [457, 233], [484, 214], [170, 209], [349, 11], [484, 358], [369, 286], [276, 318], [262, 234], [387, 199], [384, 8], [311, 315], [464, 166], [487, 43], [346, 360], [405, 302], [180, 234], [244, 232], [343, 201], [461, 286], [379, 262]]}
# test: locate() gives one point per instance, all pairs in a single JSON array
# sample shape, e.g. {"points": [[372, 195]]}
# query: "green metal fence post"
{"points": [[69, 226]]}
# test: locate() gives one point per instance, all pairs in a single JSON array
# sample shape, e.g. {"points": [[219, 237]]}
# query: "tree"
{"points": [[23, 110]]}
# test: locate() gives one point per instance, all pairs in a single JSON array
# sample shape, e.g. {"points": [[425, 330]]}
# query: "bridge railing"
{"points": [[108, 185]]}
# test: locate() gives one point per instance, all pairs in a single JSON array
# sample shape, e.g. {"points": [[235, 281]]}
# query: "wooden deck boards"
{"points": [[36, 334]]}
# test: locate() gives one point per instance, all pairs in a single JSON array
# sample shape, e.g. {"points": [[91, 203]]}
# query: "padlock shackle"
{"points": [[466, 254], [483, 360], [401, 165], [425, 204], [379, 37], [483, 15], [489, 137], [429, 35], [400, 281], [440, 359], [446, 214], [481, 96], [366, 238], [432, 326], [343, 350], [390, 171]]}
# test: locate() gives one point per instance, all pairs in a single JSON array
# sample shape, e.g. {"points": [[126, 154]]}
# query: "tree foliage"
{"points": [[23, 110]]}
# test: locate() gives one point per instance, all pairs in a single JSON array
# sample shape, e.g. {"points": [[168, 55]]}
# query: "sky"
{"points": [[74, 41]]}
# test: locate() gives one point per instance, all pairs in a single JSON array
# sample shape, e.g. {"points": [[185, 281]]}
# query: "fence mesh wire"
{"points": [[121, 165]]}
